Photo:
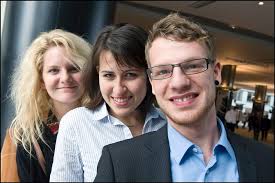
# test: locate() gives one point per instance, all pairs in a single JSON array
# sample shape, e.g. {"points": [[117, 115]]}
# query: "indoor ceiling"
{"points": [[249, 44]]}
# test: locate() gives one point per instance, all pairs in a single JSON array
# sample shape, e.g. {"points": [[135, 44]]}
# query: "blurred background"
{"points": [[243, 31]]}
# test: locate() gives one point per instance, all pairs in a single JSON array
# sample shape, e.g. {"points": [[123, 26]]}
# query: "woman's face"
{"points": [[122, 88], [60, 78]]}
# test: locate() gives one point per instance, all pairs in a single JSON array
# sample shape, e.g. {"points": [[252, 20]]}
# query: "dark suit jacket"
{"points": [[146, 159]]}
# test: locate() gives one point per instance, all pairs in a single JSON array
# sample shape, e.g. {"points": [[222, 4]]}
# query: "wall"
{"points": [[3, 8]]}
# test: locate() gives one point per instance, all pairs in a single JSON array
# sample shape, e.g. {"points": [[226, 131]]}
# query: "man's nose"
{"points": [[179, 80]]}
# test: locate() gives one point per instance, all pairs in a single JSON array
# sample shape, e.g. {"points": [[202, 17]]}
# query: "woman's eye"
{"points": [[131, 75], [108, 75], [53, 71], [74, 70]]}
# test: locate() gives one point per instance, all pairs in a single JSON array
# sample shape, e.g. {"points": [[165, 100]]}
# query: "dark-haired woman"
{"points": [[120, 108]]}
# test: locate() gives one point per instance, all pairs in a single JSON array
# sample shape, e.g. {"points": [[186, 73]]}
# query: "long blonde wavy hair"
{"points": [[32, 102]]}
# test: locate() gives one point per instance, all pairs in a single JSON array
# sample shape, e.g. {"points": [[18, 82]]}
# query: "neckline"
{"points": [[52, 123]]}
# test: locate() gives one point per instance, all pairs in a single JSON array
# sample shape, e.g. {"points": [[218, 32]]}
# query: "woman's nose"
{"points": [[65, 76], [119, 87]]}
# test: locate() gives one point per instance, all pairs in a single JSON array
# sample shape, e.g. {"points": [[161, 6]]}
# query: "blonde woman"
{"points": [[46, 85]]}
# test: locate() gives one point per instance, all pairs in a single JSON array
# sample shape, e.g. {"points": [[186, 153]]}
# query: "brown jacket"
{"points": [[8, 160]]}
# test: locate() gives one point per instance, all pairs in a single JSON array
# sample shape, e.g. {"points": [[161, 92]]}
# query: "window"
{"points": [[249, 96], [240, 95], [268, 99]]}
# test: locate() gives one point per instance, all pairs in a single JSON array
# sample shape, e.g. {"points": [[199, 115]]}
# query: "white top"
{"points": [[81, 137], [231, 116]]}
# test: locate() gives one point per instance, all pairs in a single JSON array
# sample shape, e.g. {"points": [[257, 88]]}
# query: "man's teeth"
{"points": [[121, 100], [183, 99]]}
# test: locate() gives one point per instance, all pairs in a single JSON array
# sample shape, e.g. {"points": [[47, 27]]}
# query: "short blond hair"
{"points": [[32, 102], [179, 28]]}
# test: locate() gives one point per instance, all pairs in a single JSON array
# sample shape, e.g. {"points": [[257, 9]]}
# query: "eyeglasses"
{"points": [[190, 67]]}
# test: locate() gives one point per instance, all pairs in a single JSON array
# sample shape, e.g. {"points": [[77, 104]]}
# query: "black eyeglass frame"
{"points": [[207, 60]]}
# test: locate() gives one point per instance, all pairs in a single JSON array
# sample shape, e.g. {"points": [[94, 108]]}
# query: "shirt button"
{"points": [[195, 150]]}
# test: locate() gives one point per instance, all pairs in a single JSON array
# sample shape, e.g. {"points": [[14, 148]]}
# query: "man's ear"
{"points": [[217, 72]]}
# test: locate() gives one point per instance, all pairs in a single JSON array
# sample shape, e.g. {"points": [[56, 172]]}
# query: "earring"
{"points": [[217, 82]]}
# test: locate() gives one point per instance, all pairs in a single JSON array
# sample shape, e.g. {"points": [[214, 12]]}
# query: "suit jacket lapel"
{"points": [[159, 165], [245, 163], [159, 158]]}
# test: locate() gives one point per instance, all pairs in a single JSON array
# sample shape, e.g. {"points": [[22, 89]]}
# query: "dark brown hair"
{"points": [[126, 42]]}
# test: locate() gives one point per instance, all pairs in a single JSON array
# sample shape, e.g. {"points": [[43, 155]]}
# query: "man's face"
{"points": [[185, 99]]}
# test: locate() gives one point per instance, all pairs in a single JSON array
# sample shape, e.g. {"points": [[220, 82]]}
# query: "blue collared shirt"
{"points": [[187, 162]]}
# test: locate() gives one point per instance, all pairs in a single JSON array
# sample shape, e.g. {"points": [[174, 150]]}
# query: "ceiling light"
{"points": [[261, 3]]}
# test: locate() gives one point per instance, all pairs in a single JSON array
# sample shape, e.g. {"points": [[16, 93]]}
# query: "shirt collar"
{"points": [[152, 113], [102, 112], [223, 141], [179, 145]]}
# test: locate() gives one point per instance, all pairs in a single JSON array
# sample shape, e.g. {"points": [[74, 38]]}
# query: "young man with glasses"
{"points": [[194, 146]]}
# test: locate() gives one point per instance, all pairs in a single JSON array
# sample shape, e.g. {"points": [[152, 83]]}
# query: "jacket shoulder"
{"points": [[140, 143], [255, 156]]}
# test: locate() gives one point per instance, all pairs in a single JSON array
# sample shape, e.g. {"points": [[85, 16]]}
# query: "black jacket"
{"points": [[28, 167], [146, 159]]}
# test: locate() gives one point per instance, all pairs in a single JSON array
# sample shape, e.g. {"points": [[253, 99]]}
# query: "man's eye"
{"points": [[193, 66], [162, 72]]}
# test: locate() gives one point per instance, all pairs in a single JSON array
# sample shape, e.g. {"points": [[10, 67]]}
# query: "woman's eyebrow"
{"points": [[106, 71]]}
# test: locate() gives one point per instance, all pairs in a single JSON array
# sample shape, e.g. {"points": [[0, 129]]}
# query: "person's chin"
{"points": [[182, 114], [69, 99], [69, 89]]}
